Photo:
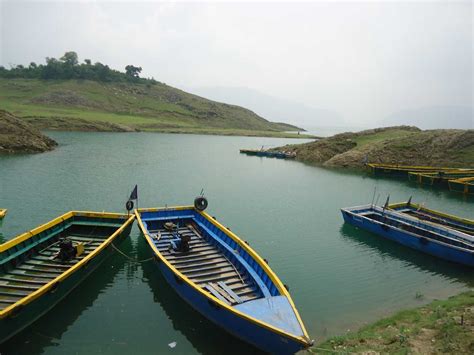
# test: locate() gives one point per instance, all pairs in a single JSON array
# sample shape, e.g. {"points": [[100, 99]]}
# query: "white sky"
{"points": [[361, 59]]}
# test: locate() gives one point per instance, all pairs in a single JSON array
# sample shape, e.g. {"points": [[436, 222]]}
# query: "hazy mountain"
{"points": [[434, 117], [272, 108]]}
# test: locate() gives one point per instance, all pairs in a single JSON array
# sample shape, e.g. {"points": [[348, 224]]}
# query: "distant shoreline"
{"points": [[403, 145]]}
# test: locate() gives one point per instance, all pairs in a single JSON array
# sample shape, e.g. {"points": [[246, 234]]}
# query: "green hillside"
{"points": [[84, 104]]}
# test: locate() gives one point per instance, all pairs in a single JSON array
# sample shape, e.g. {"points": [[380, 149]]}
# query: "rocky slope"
{"points": [[17, 136]]}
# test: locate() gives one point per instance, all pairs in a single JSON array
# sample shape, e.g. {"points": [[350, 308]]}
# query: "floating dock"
{"points": [[465, 185], [456, 179], [404, 170], [439, 177]]}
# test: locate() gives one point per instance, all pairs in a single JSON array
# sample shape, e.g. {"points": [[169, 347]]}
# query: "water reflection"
{"points": [[421, 260], [49, 329], [205, 337]]}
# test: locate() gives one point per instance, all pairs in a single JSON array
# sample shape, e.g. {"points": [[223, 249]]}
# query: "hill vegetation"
{"points": [[402, 145], [66, 95], [17, 136]]}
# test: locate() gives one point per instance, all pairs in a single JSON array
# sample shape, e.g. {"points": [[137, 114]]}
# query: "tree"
{"points": [[70, 58], [87, 61], [52, 69], [132, 71]]}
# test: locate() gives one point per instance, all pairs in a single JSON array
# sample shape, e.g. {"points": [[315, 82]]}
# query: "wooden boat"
{"points": [[425, 214], [465, 185], [3, 213], [33, 277], [439, 178], [223, 278], [403, 170], [437, 240]]}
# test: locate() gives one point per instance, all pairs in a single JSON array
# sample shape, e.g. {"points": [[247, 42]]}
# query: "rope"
{"points": [[129, 257]]}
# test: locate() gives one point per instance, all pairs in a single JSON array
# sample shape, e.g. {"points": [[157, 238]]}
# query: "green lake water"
{"points": [[340, 278]]}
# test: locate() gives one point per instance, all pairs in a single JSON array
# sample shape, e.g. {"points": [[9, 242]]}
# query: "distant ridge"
{"points": [[273, 108]]}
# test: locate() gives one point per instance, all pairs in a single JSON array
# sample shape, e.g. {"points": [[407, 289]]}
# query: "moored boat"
{"points": [[438, 240], [426, 214], [269, 153], [221, 277], [41, 267], [3, 213]]}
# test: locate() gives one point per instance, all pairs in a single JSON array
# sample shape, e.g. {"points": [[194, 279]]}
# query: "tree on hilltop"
{"points": [[133, 71]]}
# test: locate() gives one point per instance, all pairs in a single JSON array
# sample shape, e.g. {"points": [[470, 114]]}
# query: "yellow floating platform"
{"points": [[404, 170], [464, 185]]}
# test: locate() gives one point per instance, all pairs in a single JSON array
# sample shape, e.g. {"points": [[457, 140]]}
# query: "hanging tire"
{"points": [[200, 203], [129, 205]]}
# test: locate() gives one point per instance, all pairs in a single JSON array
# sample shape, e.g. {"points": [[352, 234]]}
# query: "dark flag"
{"points": [[134, 194]]}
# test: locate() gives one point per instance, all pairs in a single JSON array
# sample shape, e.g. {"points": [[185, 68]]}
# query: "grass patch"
{"points": [[441, 327], [363, 140]]}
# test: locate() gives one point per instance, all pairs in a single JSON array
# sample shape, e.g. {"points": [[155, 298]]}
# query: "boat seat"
{"points": [[224, 292], [215, 291], [229, 291]]}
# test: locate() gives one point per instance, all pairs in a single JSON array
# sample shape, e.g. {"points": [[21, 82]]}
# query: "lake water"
{"points": [[340, 278]]}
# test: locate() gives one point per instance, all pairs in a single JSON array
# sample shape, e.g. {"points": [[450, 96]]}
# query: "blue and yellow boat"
{"points": [[432, 238], [224, 279], [423, 213], [41, 267]]}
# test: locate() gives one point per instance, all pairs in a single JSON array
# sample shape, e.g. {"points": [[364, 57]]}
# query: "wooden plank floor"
{"points": [[37, 271], [205, 264]]}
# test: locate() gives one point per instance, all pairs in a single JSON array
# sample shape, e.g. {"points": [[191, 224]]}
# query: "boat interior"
{"points": [[388, 221], [443, 221], [34, 262], [205, 263]]}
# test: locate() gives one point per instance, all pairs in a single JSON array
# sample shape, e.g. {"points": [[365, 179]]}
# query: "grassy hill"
{"points": [[121, 106], [403, 145]]}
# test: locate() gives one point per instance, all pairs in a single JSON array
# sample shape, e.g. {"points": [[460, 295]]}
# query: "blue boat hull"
{"points": [[239, 327], [422, 244]]}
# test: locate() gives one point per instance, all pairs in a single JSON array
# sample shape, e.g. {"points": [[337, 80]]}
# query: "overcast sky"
{"points": [[364, 60]]}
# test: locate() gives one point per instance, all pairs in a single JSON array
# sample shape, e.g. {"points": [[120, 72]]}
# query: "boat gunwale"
{"points": [[45, 288], [348, 210], [304, 340]]}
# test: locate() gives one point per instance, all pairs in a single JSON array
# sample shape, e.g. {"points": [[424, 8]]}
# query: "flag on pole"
{"points": [[134, 194]]}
